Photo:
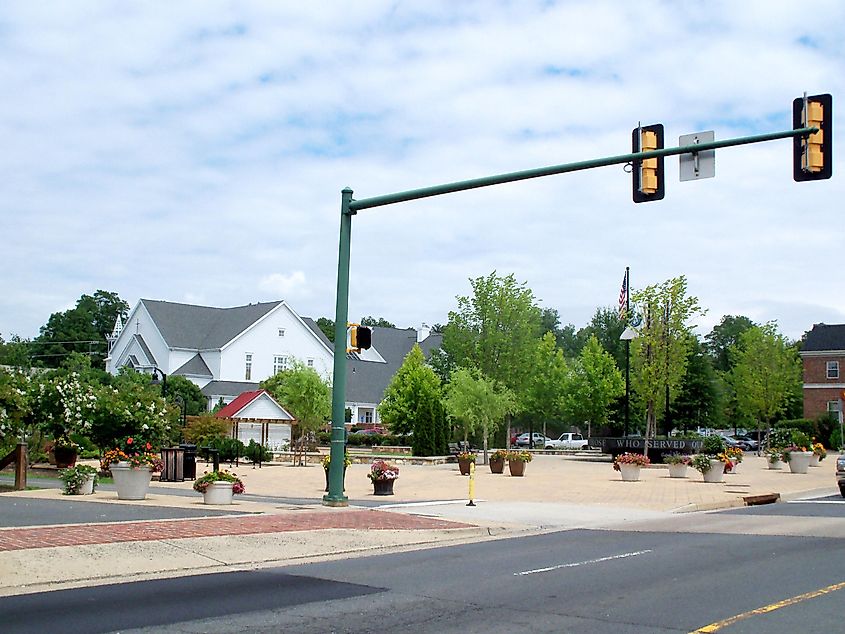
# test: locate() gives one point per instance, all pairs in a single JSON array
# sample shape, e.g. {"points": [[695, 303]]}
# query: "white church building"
{"points": [[228, 351]]}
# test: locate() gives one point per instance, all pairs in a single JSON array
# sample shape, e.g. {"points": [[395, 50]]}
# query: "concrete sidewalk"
{"points": [[285, 521]]}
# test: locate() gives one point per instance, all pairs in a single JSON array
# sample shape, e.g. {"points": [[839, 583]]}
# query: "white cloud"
{"points": [[187, 152], [282, 284]]}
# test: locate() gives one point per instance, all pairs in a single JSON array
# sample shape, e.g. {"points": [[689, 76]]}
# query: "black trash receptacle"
{"points": [[189, 468], [173, 465]]}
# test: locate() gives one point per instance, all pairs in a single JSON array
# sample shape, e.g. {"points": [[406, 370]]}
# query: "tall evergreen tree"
{"points": [[412, 404]]}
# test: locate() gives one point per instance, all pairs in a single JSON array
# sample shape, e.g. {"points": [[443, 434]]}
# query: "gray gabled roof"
{"points": [[366, 381], [317, 331], [824, 338], [228, 388], [203, 327], [150, 358], [195, 366]]}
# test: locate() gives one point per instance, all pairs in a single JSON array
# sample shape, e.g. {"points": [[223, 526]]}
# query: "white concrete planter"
{"points": [[776, 465], [219, 492], [630, 472], [131, 483], [87, 486], [799, 461], [716, 472], [678, 470], [815, 460]]}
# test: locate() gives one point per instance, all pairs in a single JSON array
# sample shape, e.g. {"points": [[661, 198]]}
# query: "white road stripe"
{"points": [[436, 503], [582, 563], [816, 501]]}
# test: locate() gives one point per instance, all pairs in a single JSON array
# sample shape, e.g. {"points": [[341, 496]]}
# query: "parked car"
{"points": [[539, 440], [840, 474], [746, 443], [567, 441], [732, 442]]}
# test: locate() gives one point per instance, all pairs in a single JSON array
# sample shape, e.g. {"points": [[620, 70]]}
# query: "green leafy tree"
{"points": [[326, 325], [571, 340], [380, 322], [594, 384], [412, 404], [478, 403], [545, 398], [496, 331], [82, 329], [305, 394], [205, 428], [15, 352], [607, 328], [724, 336], [195, 401], [766, 372], [697, 401], [660, 353]]}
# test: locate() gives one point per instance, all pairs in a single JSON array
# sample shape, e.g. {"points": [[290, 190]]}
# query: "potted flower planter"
{"points": [[815, 460], [776, 464], [734, 467], [716, 472], [463, 465], [383, 474], [630, 472], [132, 483], [799, 461], [64, 456], [516, 468], [383, 487], [497, 465], [87, 486], [678, 470], [219, 492]]}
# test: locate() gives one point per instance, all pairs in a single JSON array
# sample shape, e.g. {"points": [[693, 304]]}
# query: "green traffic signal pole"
{"points": [[350, 207]]}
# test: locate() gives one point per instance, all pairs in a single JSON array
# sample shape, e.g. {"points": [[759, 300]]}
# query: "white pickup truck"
{"points": [[567, 441]]}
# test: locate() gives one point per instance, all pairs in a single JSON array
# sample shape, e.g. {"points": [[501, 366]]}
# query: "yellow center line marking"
{"points": [[715, 627]]}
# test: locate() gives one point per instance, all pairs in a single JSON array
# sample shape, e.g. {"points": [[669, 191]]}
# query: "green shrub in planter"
{"points": [[74, 477], [713, 445]]}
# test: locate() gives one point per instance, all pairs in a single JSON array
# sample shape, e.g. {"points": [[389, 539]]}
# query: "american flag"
{"points": [[623, 296]]}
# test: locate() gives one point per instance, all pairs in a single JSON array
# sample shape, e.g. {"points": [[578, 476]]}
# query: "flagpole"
{"points": [[627, 349]]}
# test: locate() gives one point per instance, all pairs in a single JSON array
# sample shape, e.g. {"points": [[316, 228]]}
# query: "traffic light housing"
{"points": [[649, 182], [360, 337], [812, 156]]}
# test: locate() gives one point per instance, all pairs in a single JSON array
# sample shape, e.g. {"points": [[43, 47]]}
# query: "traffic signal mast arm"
{"points": [[487, 181]]}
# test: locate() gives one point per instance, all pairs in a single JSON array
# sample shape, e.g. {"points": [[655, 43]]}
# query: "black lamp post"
{"points": [[155, 381], [180, 401]]}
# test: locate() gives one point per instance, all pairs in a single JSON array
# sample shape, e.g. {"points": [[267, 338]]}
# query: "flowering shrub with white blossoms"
{"points": [[131, 408], [14, 406]]}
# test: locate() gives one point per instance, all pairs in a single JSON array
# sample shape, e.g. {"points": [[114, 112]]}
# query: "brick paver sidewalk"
{"points": [[108, 533]]}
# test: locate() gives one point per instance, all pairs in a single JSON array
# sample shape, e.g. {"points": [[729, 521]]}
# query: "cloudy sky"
{"points": [[195, 152]]}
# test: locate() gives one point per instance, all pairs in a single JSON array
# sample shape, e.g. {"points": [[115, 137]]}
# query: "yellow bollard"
{"points": [[471, 483]]}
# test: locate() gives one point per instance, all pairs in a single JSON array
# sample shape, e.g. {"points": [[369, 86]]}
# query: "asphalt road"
{"points": [[590, 581]]}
